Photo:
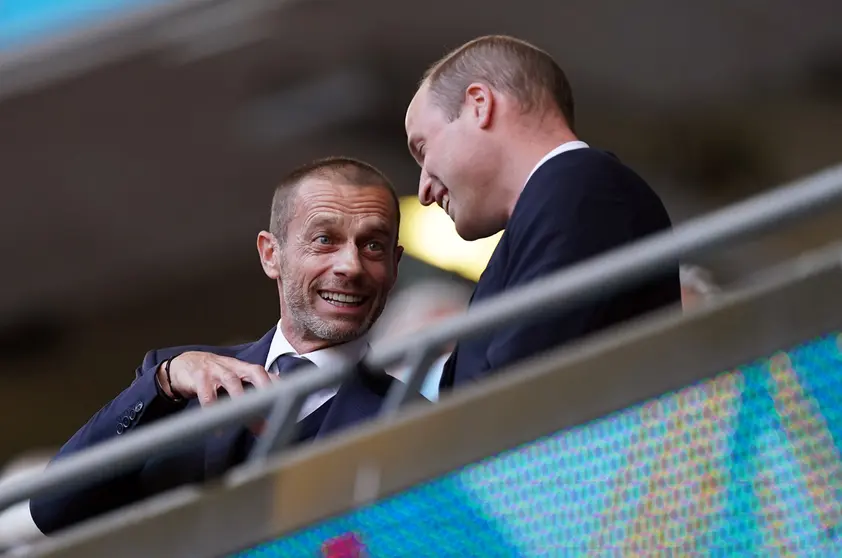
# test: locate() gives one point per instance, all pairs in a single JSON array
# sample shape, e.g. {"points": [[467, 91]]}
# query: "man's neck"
{"points": [[302, 343], [526, 152]]}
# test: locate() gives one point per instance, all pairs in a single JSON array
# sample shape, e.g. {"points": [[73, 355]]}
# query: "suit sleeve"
{"points": [[141, 403], [558, 234]]}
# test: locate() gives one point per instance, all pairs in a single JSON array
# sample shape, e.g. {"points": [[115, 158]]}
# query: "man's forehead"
{"points": [[417, 106], [337, 214], [362, 224], [320, 188], [410, 116], [318, 184], [323, 200], [417, 121]]}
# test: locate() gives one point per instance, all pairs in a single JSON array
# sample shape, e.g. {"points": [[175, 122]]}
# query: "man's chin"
{"points": [[471, 233], [344, 330], [467, 236], [465, 231]]}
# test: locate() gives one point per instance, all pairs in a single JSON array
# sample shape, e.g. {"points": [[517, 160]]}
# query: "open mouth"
{"points": [[342, 300]]}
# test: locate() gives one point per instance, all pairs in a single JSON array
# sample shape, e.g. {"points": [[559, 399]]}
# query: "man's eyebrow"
{"points": [[378, 229]]}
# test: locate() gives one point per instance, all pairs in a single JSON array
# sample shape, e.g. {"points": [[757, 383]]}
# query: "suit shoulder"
{"points": [[590, 175], [593, 172], [581, 189]]}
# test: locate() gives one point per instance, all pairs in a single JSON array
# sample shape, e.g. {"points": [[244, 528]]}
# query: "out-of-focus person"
{"points": [[414, 309], [492, 128], [332, 249], [697, 286]]}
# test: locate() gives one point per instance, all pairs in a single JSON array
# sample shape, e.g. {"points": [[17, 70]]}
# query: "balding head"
{"points": [[482, 118], [511, 66], [344, 170]]}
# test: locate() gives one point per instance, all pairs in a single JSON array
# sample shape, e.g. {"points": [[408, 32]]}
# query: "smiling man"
{"points": [[492, 128], [332, 250]]}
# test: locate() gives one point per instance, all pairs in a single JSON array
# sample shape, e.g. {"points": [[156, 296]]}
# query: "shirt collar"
{"points": [[567, 146], [353, 351]]}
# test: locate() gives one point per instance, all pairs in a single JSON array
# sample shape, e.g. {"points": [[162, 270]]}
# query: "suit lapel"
{"points": [[359, 398], [309, 426], [256, 352], [448, 375], [225, 446]]}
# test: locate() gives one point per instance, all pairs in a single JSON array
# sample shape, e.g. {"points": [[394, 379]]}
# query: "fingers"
{"points": [[255, 375], [202, 374], [205, 391], [230, 382]]}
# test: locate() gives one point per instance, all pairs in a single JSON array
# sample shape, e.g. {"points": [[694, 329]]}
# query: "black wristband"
{"points": [[167, 362]]}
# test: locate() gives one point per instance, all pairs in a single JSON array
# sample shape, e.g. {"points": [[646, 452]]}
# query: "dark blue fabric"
{"points": [[287, 364], [141, 404], [577, 205]]}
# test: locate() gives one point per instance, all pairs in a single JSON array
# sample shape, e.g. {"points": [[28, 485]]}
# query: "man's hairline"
{"points": [[539, 111], [291, 190]]}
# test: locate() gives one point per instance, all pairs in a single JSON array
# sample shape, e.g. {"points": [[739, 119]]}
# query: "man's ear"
{"points": [[270, 257], [398, 254], [479, 100]]}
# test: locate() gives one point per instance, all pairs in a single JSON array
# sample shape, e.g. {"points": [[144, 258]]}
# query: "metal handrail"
{"points": [[618, 268]]}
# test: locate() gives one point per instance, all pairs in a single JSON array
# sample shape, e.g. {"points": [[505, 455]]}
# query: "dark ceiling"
{"points": [[137, 159], [145, 151]]}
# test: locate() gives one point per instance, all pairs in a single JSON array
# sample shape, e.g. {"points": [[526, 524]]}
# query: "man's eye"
{"points": [[323, 239], [375, 246]]}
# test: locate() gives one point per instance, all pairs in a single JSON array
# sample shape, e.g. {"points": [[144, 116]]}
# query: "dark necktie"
{"points": [[309, 426], [287, 364]]}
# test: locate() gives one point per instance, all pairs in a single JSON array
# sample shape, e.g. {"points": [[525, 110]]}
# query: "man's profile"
{"points": [[492, 127]]}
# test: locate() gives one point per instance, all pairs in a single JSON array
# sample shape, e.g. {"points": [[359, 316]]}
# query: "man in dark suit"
{"points": [[332, 250], [492, 127]]}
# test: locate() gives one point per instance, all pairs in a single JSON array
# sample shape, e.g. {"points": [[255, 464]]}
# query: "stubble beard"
{"points": [[310, 325]]}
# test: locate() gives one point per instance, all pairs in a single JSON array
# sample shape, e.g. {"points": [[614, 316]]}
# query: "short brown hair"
{"points": [[347, 169], [509, 65]]}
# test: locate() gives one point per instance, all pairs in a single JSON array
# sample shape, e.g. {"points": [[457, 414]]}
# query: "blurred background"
{"points": [[140, 142]]}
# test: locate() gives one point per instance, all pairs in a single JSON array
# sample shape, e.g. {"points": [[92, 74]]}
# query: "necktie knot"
{"points": [[287, 364]]}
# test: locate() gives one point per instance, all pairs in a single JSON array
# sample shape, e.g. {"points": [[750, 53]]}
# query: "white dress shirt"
{"points": [[567, 146], [353, 351], [430, 387]]}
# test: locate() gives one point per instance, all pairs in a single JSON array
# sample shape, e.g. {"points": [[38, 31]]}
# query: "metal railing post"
{"points": [[619, 268]]}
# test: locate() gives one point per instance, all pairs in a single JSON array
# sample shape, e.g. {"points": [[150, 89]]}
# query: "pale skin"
{"points": [[341, 242], [476, 166]]}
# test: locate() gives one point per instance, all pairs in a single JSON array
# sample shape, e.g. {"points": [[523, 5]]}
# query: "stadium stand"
{"points": [[711, 430]]}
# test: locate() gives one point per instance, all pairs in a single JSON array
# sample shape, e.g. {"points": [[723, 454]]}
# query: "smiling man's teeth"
{"points": [[340, 297]]}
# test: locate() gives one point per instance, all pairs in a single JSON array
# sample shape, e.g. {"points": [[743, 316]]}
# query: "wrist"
{"points": [[163, 379]]}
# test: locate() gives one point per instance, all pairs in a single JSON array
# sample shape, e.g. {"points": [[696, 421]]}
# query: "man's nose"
{"points": [[425, 189], [347, 261]]}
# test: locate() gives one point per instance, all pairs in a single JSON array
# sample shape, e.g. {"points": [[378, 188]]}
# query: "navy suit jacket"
{"points": [[576, 205], [141, 403]]}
